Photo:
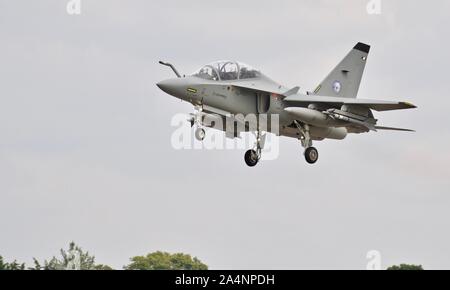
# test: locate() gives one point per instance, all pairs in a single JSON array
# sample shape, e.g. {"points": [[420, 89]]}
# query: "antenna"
{"points": [[172, 67]]}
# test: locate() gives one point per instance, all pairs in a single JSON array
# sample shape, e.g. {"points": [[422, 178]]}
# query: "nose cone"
{"points": [[174, 87], [164, 85]]}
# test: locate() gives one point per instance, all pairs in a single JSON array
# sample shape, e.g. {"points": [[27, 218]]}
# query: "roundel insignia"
{"points": [[337, 87]]}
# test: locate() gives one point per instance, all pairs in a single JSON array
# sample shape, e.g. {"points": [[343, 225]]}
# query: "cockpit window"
{"points": [[227, 70], [247, 72], [207, 73]]}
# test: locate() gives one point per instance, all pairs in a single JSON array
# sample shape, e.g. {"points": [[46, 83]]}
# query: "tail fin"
{"points": [[344, 79]]}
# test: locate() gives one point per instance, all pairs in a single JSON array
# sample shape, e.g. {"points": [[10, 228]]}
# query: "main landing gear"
{"points": [[311, 153], [252, 156]]}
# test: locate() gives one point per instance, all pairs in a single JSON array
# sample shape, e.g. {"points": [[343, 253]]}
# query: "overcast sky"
{"points": [[85, 151]]}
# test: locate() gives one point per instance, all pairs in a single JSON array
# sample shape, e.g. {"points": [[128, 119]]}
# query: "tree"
{"points": [[165, 261], [405, 267], [73, 259], [102, 267], [11, 266]]}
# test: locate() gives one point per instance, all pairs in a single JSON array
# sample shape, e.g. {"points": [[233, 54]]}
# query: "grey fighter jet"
{"points": [[228, 88]]}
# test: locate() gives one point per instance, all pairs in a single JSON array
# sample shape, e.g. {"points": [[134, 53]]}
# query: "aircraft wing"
{"points": [[261, 88], [265, 85], [377, 105]]}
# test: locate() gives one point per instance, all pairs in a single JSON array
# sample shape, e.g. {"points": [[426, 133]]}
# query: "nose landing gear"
{"points": [[196, 119]]}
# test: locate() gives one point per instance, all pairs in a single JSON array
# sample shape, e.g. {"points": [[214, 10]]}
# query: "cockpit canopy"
{"points": [[227, 71]]}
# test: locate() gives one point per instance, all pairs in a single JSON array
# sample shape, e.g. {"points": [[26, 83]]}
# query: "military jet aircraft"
{"points": [[331, 111]]}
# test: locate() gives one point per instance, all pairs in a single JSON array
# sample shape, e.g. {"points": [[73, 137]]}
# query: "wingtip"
{"points": [[409, 105]]}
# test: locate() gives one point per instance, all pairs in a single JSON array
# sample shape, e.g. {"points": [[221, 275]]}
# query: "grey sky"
{"points": [[85, 149]]}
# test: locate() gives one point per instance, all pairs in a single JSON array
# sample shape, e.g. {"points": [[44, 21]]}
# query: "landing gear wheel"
{"points": [[311, 155], [200, 134], [251, 158]]}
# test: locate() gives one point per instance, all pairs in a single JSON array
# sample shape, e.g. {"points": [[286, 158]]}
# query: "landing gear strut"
{"points": [[311, 153], [196, 119], [252, 156]]}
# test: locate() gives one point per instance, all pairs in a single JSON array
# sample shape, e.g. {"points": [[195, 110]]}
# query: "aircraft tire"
{"points": [[251, 158], [311, 155], [200, 134]]}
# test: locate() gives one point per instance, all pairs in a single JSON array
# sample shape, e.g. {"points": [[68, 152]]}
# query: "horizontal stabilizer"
{"points": [[393, 129]]}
